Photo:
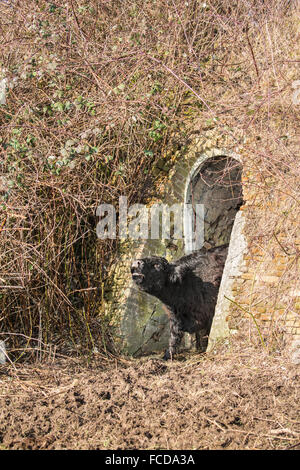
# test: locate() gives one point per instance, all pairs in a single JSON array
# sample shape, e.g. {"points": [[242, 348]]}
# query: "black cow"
{"points": [[188, 288]]}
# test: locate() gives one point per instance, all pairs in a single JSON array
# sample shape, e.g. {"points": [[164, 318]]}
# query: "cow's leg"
{"points": [[201, 340], [176, 335]]}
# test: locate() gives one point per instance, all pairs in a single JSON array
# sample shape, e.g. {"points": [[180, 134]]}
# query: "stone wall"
{"points": [[268, 286]]}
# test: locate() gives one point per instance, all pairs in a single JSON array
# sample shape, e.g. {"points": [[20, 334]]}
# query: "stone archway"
{"points": [[214, 182], [212, 178]]}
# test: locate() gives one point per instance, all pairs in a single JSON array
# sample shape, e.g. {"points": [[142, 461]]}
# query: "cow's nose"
{"points": [[136, 265]]}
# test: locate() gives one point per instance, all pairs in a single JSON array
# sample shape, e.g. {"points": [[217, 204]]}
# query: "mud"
{"points": [[241, 399]]}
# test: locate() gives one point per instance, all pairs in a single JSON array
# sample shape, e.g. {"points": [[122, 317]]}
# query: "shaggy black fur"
{"points": [[188, 288]]}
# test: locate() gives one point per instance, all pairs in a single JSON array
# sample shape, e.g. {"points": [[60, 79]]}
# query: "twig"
{"points": [[252, 53], [253, 318]]}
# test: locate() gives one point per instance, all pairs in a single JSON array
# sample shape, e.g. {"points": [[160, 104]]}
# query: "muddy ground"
{"points": [[228, 399]]}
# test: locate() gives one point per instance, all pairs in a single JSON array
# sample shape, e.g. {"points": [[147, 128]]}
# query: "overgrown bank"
{"points": [[99, 97]]}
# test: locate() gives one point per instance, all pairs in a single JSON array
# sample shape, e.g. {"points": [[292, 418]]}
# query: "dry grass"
{"points": [[98, 92]]}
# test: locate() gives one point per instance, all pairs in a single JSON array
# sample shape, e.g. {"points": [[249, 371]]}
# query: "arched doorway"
{"points": [[213, 180], [216, 184]]}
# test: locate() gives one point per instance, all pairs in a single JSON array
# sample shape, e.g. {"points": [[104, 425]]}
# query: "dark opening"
{"points": [[218, 186]]}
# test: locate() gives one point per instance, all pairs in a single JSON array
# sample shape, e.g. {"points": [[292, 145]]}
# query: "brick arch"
{"points": [[215, 181]]}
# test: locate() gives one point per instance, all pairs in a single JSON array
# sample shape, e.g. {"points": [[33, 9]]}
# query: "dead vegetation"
{"points": [[98, 92]]}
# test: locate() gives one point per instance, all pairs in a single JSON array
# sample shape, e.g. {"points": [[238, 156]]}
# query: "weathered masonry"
{"points": [[256, 289]]}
